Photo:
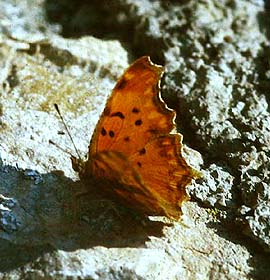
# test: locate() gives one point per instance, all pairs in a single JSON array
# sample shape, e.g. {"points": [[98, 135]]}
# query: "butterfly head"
{"points": [[78, 165]]}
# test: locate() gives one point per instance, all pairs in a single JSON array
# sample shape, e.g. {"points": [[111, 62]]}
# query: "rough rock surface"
{"points": [[216, 55]]}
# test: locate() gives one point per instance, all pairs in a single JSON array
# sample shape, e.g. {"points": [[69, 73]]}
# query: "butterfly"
{"points": [[133, 154]]}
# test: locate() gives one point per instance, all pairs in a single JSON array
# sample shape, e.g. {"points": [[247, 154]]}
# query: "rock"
{"points": [[215, 188]]}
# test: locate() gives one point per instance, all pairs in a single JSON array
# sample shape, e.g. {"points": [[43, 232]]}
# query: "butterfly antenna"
{"points": [[67, 130], [60, 148]]}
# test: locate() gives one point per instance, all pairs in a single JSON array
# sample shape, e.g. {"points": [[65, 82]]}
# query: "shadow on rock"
{"points": [[78, 18], [37, 215]]}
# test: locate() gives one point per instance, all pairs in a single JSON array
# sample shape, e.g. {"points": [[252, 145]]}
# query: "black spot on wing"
{"points": [[126, 139], [121, 84], [142, 151], [103, 131], [111, 133], [135, 110], [138, 122], [107, 111], [118, 114]]}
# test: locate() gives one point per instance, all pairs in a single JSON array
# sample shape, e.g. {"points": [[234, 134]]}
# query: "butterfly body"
{"points": [[133, 153]]}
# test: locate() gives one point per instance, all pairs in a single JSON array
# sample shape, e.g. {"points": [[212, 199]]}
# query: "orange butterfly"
{"points": [[132, 152]]}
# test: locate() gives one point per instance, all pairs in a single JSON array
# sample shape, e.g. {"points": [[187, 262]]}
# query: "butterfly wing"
{"points": [[133, 113], [117, 177], [164, 171], [153, 182], [132, 147]]}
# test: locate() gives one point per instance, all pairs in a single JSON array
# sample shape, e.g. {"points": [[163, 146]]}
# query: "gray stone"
{"points": [[215, 188]]}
